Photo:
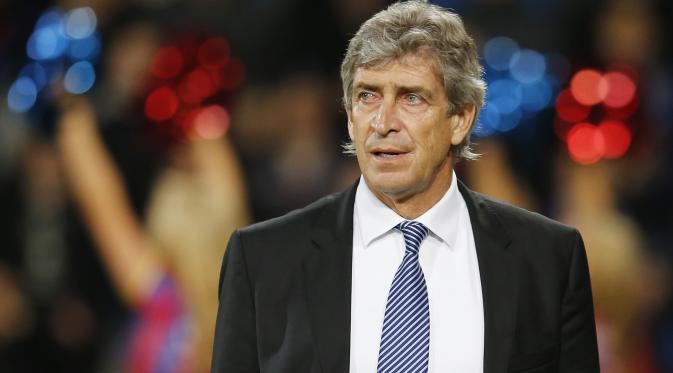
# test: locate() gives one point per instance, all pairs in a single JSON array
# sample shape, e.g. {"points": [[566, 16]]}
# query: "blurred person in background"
{"points": [[166, 269], [163, 262], [507, 290], [615, 251]]}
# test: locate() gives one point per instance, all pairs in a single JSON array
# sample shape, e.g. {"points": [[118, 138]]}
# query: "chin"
{"points": [[391, 184]]}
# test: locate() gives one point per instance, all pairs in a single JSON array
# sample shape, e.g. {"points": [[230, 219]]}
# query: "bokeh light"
{"points": [[505, 94], [588, 87], [79, 78], [37, 73], [508, 121], [499, 51], [161, 104], [527, 66], [80, 23], [536, 96], [85, 49], [22, 95], [615, 92], [211, 122], [617, 137], [167, 62], [196, 86], [569, 109], [58, 41], [47, 43], [51, 18], [193, 75], [520, 86], [621, 90], [585, 143], [214, 53], [624, 112]]}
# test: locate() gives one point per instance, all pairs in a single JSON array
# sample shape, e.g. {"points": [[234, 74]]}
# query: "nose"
{"points": [[386, 119]]}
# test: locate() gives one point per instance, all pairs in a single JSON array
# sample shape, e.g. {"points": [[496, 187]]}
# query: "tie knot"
{"points": [[414, 233]]}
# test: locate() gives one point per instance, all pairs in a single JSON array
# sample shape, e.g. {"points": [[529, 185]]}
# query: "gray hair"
{"points": [[416, 27]]}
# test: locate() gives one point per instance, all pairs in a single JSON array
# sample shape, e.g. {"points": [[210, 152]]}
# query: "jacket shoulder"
{"points": [[519, 220], [299, 220], [282, 242]]}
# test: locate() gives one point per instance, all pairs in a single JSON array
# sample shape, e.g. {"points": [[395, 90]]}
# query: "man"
{"points": [[408, 270]]}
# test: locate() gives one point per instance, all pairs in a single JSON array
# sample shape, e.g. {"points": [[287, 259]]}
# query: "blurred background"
{"points": [[136, 135]]}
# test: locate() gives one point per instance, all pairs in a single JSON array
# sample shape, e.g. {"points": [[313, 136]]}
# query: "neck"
{"points": [[412, 206]]}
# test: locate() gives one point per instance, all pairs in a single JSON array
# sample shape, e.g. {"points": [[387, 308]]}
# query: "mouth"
{"points": [[388, 153]]}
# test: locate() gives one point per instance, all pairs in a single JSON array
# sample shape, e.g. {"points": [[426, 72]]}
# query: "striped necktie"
{"points": [[405, 340]]}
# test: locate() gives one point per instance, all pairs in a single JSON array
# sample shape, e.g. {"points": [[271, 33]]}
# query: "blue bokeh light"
{"points": [[505, 95], [37, 73], [520, 84], [498, 52], [58, 40], [80, 23], [491, 120], [22, 95], [527, 66], [536, 96], [79, 78], [85, 49], [47, 43], [50, 18], [509, 121]]}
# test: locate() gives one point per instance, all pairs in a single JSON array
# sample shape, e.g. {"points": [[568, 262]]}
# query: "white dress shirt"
{"points": [[449, 261]]}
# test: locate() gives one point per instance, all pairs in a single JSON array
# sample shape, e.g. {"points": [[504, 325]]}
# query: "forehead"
{"points": [[408, 70]]}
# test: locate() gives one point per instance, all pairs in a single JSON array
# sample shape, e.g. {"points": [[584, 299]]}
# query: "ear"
{"points": [[462, 123]]}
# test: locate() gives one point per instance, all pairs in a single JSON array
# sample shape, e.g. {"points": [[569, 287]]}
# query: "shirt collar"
{"points": [[376, 219]]}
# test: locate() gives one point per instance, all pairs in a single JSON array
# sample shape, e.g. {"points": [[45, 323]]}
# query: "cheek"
{"points": [[359, 125], [436, 140]]}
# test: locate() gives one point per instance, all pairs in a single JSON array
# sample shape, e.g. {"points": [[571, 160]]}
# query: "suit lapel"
{"points": [[327, 271], [498, 280]]}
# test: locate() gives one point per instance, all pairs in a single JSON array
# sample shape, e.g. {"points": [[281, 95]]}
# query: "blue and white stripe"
{"points": [[405, 340]]}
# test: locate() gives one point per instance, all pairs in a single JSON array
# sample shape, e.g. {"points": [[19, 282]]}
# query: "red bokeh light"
{"points": [[214, 53], [621, 90], [211, 122], [585, 143], [617, 137], [161, 104], [167, 62], [624, 112], [589, 87], [196, 86], [569, 109], [617, 91]]}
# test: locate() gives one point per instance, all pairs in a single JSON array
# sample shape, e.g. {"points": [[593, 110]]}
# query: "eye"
{"points": [[366, 96], [413, 99]]}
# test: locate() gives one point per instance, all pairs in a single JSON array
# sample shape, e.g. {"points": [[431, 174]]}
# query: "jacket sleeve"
{"points": [[579, 350], [235, 345]]}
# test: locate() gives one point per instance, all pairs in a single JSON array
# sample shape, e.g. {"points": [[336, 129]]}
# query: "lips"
{"points": [[389, 153]]}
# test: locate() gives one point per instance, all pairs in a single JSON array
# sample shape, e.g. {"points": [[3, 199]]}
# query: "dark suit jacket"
{"points": [[285, 292]]}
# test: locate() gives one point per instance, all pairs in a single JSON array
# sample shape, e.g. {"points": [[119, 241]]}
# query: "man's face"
{"points": [[401, 129]]}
